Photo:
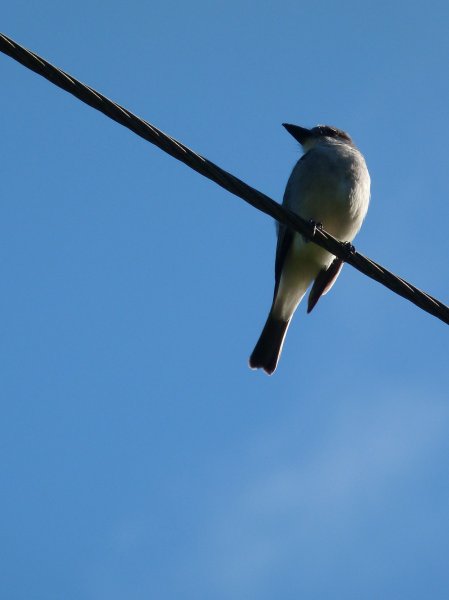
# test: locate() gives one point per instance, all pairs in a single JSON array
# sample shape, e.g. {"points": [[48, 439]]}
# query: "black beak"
{"points": [[301, 134]]}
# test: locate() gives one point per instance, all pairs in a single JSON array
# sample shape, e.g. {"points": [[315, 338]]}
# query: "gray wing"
{"points": [[324, 281], [286, 235], [285, 238]]}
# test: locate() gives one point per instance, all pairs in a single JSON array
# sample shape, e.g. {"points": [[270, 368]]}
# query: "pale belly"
{"points": [[302, 265]]}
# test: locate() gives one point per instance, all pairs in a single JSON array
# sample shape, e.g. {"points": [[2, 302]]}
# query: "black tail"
{"points": [[268, 349]]}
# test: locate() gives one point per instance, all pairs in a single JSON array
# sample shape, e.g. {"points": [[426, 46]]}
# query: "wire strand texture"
{"points": [[226, 180]]}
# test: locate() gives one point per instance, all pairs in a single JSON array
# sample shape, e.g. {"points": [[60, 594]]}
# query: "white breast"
{"points": [[331, 185]]}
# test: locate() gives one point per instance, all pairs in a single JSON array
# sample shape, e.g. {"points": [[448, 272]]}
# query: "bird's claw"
{"points": [[316, 225], [349, 249]]}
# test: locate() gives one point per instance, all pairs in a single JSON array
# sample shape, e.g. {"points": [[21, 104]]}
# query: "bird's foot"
{"points": [[349, 249], [316, 225]]}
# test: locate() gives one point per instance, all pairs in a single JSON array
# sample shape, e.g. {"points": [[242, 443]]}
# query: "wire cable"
{"points": [[226, 180]]}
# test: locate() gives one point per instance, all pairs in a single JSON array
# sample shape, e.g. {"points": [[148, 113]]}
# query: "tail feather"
{"points": [[269, 347]]}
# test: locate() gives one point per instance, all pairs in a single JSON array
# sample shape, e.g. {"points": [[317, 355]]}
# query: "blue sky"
{"points": [[140, 457]]}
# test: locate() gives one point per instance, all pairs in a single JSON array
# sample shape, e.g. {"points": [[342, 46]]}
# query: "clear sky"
{"points": [[140, 457]]}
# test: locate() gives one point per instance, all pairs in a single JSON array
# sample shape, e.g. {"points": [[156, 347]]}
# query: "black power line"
{"points": [[223, 178]]}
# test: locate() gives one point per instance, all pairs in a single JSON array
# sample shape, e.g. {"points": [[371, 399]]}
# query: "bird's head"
{"points": [[310, 137]]}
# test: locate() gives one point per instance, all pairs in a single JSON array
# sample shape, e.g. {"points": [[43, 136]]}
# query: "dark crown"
{"points": [[329, 131]]}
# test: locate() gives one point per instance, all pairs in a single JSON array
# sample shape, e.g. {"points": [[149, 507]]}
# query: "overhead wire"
{"points": [[226, 180]]}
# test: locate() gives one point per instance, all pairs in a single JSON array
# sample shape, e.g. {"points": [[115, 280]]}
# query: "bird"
{"points": [[330, 187]]}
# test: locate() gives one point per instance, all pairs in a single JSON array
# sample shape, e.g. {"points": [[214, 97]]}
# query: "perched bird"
{"points": [[329, 186]]}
